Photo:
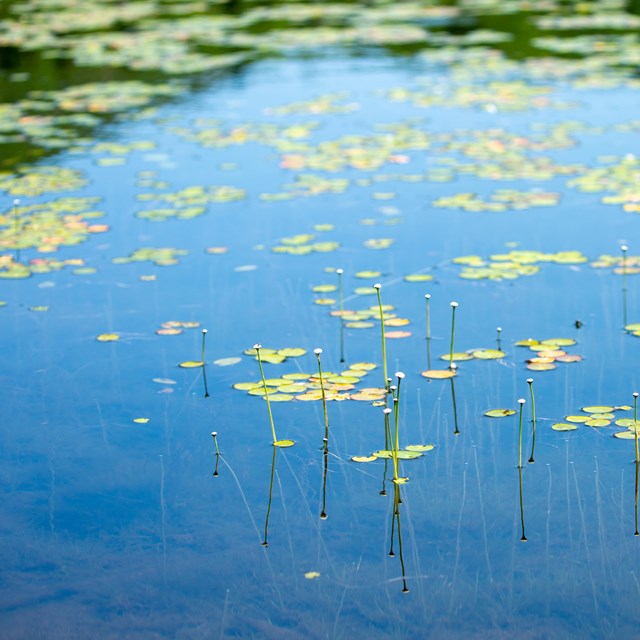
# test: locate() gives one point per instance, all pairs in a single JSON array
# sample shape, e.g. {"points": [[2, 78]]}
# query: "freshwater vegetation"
{"points": [[319, 320]]}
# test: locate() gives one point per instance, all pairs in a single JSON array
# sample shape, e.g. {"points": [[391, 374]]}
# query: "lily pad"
{"points": [[364, 458], [563, 426], [438, 374], [283, 444], [499, 413], [108, 337]]}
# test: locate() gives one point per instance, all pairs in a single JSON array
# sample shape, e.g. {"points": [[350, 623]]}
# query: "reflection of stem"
{"points": [[396, 517], [387, 428], [204, 378], [204, 365], [523, 537], [215, 442], [636, 533], [341, 302], [325, 467], [427, 298], [377, 287], [265, 542], [266, 393], [393, 521], [456, 431], [383, 491], [454, 306], [533, 420]]}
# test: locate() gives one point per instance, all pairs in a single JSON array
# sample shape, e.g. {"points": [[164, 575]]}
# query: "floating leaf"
{"points": [[420, 448], [191, 364], [108, 337], [438, 374], [625, 435], [499, 413], [540, 366], [311, 575], [456, 356], [291, 352], [283, 444], [364, 458], [141, 420], [597, 422], [402, 454], [280, 397], [418, 277], [598, 409], [563, 426], [392, 335], [577, 418], [488, 354], [367, 274]]}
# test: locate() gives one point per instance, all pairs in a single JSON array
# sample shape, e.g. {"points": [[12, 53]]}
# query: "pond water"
{"points": [[499, 172]]}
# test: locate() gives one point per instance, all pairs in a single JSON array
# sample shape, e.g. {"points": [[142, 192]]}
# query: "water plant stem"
{"points": [[427, 299], [318, 351], [377, 287], [624, 250], [396, 427], [454, 306], [204, 364], [257, 347], [499, 337], [533, 419], [341, 306], [635, 424], [398, 501], [521, 402]]}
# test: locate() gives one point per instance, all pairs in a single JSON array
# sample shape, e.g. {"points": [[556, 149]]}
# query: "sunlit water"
{"points": [[112, 528]]}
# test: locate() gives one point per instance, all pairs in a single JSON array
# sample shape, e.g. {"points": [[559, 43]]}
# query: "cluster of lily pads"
{"points": [[602, 416], [548, 352], [512, 265]]}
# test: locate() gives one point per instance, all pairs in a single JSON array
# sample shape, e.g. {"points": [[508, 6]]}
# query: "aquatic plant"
{"points": [[427, 299], [318, 351], [276, 442], [533, 419], [339, 272], [454, 306], [377, 287], [521, 402]]}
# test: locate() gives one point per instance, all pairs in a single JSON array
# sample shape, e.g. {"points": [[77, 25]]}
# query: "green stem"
{"points": [[204, 336], [521, 402], [454, 306], [635, 423], [341, 302], [324, 398], [266, 393], [427, 299], [533, 420], [624, 248], [377, 287]]}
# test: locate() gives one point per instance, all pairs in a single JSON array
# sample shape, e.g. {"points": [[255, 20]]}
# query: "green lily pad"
{"points": [[563, 426], [499, 413], [283, 444]]}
